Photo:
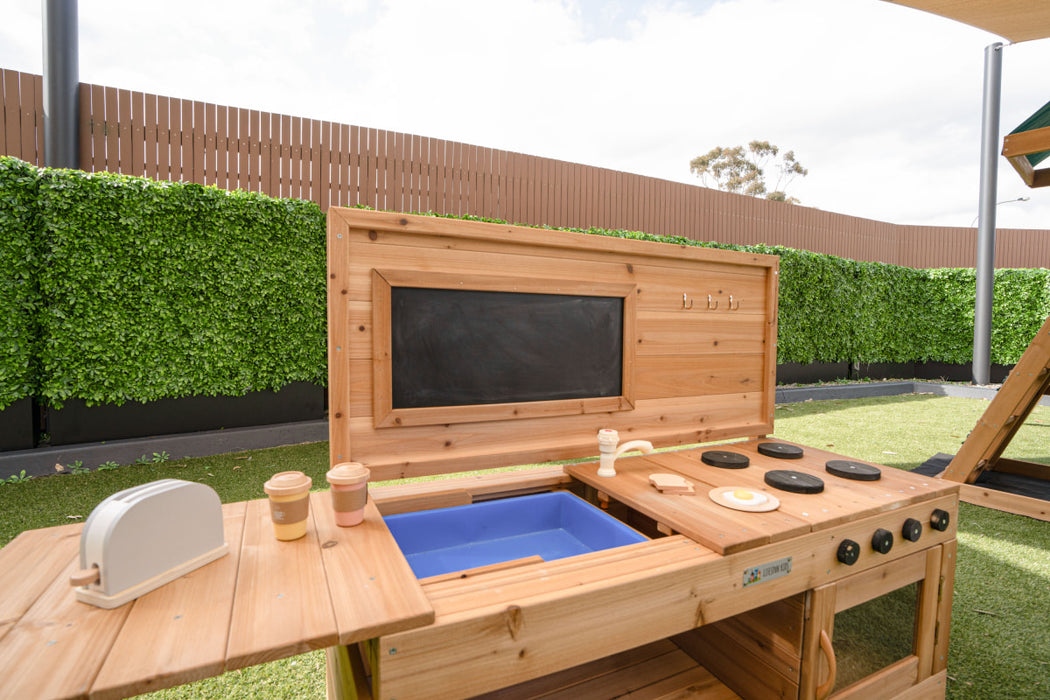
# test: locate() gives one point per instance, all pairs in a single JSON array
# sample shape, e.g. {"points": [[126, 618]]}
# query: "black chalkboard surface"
{"points": [[453, 347]]}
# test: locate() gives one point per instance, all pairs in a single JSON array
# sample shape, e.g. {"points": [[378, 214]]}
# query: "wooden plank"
{"points": [[933, 687], [1026, 143], [175, 139], [1034, 470], [493, 590], [283, 605], [697, 375], [315, 165], [372, 587], [183, 624], [768, 638], [192, 141], [669, 255], [323, 161], [84, 134], [478, 570], [895, 681], [738, 668], [339, 341], [357, 165], [927, 615], [58, 632], [30, 125], [124, 131], [211, 145], [1007, 502], [635, 681], [8, 83], [572, 677], [490, 485], [296, 158], [282, 178], [252, 177], [1024, 168], [945, 592], [868, 585], [201, 151], [151, 120], [369, 167], [698, 517], [1015, 400], [485, 445], [99, 128], [816, 674], [138, 134], [28, 565], [412, 503]]}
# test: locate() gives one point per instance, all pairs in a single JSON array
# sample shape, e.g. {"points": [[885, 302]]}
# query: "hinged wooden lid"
{"points": [[457, 345]]}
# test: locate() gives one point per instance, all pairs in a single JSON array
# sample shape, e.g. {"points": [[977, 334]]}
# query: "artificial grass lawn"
{"points": [[1000, 636]]}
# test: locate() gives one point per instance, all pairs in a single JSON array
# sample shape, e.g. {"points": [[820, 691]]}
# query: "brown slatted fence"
{"points": [[167, 138]]}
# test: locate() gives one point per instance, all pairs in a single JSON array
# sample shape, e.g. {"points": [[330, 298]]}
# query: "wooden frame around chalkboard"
{"points": [[386, 415]]}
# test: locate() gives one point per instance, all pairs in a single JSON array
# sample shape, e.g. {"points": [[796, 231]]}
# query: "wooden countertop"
{"points": [[727, 531], [265, 600]]}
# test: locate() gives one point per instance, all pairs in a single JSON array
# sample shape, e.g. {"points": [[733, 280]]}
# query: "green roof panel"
{"points": [[1037, 121]]}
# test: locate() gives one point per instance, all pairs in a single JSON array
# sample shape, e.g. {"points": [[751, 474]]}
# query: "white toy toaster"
{"points": [[141, 538]]}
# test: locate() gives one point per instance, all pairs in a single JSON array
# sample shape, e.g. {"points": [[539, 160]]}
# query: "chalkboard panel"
{"points": [[453, 347]]}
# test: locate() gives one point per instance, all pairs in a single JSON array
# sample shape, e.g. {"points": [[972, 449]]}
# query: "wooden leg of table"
{"points": [[944, 606], [817, 658], [345, 674]]}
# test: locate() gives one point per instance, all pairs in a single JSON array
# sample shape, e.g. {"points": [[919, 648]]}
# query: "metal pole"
{"points": [[982, 317], [61, 83]]}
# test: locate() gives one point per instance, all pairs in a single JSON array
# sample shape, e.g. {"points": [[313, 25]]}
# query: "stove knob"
{"points": [[912, 530], [882, 541], [848, 552], [940, 519]]}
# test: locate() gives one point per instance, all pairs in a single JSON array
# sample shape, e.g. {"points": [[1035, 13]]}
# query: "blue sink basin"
{"points": [[550, 525]]}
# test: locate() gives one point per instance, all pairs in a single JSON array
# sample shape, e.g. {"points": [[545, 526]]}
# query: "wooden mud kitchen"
{"points": [[751, 568]]}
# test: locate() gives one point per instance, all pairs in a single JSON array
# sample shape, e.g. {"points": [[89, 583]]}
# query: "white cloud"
{"points": [[882, 103]]}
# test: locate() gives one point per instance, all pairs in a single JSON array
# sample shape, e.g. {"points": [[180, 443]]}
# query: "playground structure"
{"points": [[986, 477]]}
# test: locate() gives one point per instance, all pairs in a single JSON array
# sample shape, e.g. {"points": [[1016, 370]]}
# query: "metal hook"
{"points": [[684, 298], [731, 307], [709, 303]]}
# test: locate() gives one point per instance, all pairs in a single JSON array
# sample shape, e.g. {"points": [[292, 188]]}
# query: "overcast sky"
{"points": [[881, 103]]}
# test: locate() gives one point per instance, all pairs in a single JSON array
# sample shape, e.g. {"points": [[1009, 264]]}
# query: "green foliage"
{"points": [[19, 478], [116, 288], [159, 290], [20, 300]]}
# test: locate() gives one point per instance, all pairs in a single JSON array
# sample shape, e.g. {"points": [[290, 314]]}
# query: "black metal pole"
{"points": [[61, 83]]}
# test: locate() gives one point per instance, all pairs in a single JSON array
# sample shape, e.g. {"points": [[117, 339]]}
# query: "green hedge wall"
{"points": [[20, 300], [116, 288], [159, 290]]}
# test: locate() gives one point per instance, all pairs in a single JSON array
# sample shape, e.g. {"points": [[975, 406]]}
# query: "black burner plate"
{"points": [[794, 482], [724, 459], [853, 470], [780, 450]]}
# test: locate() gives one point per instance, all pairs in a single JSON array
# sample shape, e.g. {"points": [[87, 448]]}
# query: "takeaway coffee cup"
{"points": [[289, 503], [349, 482]]}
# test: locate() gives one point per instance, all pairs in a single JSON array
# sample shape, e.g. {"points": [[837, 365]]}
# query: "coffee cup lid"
{"points": [[288, 484], [348, 474]]}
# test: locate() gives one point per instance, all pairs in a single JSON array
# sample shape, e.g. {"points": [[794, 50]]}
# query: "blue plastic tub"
{"points": [[551, 525]]}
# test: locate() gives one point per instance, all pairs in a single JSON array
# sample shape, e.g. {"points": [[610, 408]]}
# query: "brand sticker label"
{"points": [[767, 572]]}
